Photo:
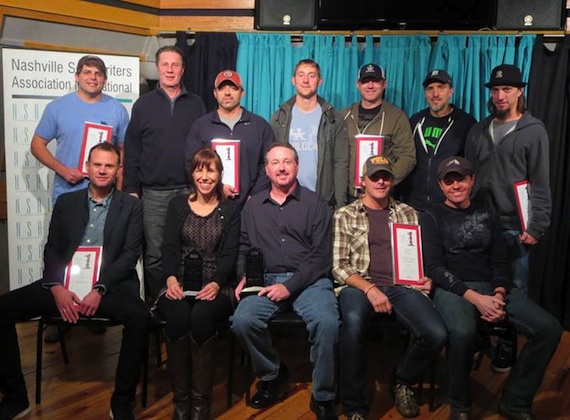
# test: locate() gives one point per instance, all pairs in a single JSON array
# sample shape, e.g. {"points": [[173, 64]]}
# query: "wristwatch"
{"points": [[102, 290]]}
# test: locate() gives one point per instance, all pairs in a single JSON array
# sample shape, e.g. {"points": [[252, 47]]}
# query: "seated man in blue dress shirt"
{"points": [[292, 226]]}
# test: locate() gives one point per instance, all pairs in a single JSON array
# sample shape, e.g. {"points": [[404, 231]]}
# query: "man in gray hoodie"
{"points": [[505, 148]]}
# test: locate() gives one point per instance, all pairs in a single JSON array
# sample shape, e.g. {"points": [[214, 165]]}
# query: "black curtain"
{"points": [[210, 54], [549, 100]]}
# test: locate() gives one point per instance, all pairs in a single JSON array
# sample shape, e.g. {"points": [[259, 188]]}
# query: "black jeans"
{"points": [[200, 317], [33, 300]]}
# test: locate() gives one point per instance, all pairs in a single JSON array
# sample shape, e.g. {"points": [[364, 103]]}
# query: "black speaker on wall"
{"points": [[531, 14], [285, 15]]}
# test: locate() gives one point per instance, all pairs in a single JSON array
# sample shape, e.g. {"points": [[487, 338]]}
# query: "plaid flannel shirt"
{"points": [[351, 252]]}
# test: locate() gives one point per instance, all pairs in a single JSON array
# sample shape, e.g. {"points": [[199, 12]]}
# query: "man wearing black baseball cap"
{"points": [[439, 132], [466, 255], [373, 116], [507, 147]]}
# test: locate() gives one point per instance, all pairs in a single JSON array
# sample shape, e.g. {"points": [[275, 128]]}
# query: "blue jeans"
{"points": [[318, 308], [155, 205], [540, 328], [518, 255], [414, 311]]}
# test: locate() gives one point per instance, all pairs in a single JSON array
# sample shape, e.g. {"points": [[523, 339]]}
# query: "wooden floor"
{"points": [[81, 390]]}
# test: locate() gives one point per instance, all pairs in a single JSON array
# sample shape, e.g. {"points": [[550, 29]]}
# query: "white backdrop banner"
{"points": [[31, 80]]}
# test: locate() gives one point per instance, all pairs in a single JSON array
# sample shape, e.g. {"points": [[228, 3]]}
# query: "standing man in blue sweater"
{"points": [[154, 153]]}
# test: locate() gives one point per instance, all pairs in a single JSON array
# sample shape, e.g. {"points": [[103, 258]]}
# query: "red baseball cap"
{"points": [[228, 76]]}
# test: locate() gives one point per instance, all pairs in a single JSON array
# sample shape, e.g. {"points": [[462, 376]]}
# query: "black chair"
{"points": [[58, 321]]}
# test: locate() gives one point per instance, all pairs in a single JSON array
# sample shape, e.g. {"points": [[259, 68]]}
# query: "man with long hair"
{"points": [[505, 148]]}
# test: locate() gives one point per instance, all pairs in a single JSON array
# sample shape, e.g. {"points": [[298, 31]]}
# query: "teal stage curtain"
{"points": [[266, 62]]}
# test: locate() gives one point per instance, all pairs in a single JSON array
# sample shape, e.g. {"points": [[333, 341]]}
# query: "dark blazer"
{"points": [[122, 241]]}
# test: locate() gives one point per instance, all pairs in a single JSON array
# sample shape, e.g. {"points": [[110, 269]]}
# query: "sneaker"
{"points": [[502, 360], [511, 414], [459, 415], [405, 402], [13, 409]]}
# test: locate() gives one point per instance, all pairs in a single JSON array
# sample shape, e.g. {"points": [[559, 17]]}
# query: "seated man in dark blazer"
{"points": [[99, 216]]}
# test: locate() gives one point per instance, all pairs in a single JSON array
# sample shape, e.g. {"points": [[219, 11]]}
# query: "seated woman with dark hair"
{"points": [[206, 224]]}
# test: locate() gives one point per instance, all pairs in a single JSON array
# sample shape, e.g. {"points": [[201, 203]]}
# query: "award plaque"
{"points": [[406, 253], [228, 150], [93, 134], [522, 194], [192, 283], [82, 272], [366, 146], [254, 272]]}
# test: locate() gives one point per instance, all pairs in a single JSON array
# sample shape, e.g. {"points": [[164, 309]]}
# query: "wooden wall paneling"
{"points": [[56, 10], [49, 17], [207, 4], [147, 3], [57, 47], [204, 23]]}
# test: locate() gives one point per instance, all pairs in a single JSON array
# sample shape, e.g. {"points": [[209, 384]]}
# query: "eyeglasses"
{"points": [[380, 175]]}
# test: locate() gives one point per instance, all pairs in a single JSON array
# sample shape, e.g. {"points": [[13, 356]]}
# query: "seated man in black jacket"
{"points": [[99, 216], [466, 256]]}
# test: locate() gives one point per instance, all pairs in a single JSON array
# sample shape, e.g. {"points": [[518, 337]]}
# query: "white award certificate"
{"points": [[82, 272], [406, 253], [522, 194], [228, 150], [366, 146], [93, 134]]}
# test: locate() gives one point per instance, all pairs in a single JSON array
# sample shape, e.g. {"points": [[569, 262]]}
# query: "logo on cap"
{"points": [[435, 72], [370, 69], [453, 162], [379, 160], [499, 74]]}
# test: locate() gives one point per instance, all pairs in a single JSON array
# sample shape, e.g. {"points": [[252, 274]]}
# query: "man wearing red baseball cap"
{"points": [[231, 121]]}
